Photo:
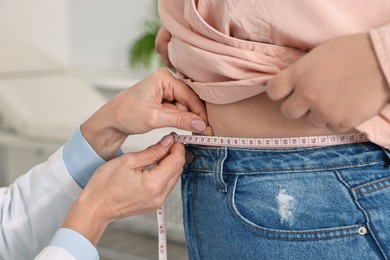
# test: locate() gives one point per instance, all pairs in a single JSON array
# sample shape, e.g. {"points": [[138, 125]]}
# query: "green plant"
{"points": [[142, 52]]}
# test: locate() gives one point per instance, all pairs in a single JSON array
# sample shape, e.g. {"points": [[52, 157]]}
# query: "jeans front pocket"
{"points": [[311, 205]]}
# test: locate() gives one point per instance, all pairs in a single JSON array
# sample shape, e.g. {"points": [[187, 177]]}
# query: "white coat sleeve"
{"points": [[34, 207]]}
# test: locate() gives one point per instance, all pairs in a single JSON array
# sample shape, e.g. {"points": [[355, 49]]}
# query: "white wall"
{"points": [[93, 35], [86, 33]]}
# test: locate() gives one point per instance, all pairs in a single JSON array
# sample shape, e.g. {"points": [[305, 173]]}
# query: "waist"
{"points": [[258, 117]]}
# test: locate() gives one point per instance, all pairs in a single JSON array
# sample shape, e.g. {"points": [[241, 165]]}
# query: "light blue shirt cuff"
{"points": [[75, 243], [80, 159]]}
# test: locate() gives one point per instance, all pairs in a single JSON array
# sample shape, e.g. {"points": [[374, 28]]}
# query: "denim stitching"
{"points": [[371, 191], [297, 170], [275, 150], [343, 181], [300, 239], [218, 170], [368, 225], [354, 195], [195, 222], [371, 162], [371, 183], [252, 227]]}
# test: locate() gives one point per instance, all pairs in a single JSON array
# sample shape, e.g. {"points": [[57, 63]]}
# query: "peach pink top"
{"points": [[227, 50]]}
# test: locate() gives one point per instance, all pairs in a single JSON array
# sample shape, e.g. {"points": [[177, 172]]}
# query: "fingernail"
{"points": [[198, 125], [208, 131], [166, 140]]}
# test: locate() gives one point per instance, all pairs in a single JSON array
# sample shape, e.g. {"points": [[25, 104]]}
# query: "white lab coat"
{"points": [[33, 208]]}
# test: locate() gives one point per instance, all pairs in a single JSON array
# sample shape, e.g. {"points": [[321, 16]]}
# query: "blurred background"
{"points": [[60, 60]]}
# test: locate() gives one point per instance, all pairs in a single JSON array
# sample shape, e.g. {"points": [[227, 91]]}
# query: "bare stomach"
{"points": [[257, 117]]}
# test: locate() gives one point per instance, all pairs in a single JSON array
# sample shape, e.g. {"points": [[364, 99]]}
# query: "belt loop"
{"points": [[387, 152], [218, 170]]}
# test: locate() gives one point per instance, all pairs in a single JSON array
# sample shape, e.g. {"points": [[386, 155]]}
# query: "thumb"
{"points": [[281, 85], [183, 120], [150, 155]]}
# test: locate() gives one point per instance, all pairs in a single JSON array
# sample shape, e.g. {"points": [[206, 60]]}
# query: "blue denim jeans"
{"points": [[298, 203]]}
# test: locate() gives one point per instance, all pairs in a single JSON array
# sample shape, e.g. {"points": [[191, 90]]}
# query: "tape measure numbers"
{"points": [[323, 140], [162, 234]]}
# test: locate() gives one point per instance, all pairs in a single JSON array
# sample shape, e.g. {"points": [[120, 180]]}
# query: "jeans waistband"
{"points": [[263, 160]]}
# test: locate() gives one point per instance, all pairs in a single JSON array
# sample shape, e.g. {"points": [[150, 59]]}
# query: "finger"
{"points": [[316, 120], [294, 107], [341, 123], [182, 120], [153, 154], [161, 45], [169, 105], [166, 175], [167, 63], [280, 86], [163, 37], [171, 165], [176, 106], [338, 128], [168, 182], [177, 90], [181, 107]]}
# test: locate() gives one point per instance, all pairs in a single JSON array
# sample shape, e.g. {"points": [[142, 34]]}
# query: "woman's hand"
{"points": [[337, 85], [126, 186], [161, 45], [158, 101]]}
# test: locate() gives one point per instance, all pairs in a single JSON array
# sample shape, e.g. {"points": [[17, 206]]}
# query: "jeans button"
{"points": [[189, 157]]}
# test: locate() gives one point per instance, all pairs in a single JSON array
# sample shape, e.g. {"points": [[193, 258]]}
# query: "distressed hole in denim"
{"points": [[286, 207]]}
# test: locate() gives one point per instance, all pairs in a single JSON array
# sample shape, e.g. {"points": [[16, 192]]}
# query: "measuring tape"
{"points": [[288, 142], [162, 234]]}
